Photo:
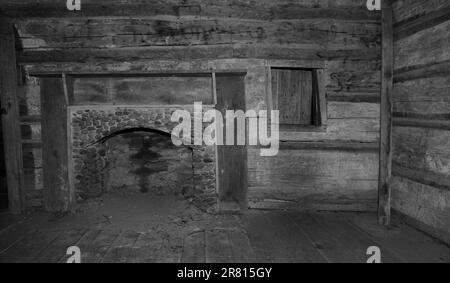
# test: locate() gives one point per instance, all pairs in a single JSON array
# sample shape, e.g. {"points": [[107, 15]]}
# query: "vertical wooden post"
{"points": [[10, 116], [384, 191], [57, 193]]}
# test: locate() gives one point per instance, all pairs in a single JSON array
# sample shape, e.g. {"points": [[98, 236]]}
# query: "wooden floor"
{"points": [[255, 237]]}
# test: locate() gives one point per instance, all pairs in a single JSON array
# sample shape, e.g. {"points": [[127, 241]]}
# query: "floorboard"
{"points": [[258, 236], [122, 249], [402, 240], [355, 241], [325, 242]]}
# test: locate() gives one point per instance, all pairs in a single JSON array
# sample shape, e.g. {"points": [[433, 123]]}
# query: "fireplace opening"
{"points": [[146, 161]]}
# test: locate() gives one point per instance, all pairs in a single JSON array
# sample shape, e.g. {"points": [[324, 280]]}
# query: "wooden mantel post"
{"points": [[10, 116], [387, 70]]}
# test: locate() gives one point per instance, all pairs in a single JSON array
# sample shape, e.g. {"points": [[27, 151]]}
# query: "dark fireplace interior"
{"points": [[147, 162]]}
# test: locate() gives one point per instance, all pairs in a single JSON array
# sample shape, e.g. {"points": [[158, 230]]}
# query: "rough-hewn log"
{"points": [[426, 47], [332, 145], [422, 71], [264, 9], [387, 70], [407, 28], [194, 52], [10, 117], [409, 10], [436, 180]]}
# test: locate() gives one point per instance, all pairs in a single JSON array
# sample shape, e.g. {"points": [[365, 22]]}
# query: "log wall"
{"points": [[335, 167], [421, 160]]}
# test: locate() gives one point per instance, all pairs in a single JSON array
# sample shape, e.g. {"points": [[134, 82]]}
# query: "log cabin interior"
{"points": [[88, 158]]}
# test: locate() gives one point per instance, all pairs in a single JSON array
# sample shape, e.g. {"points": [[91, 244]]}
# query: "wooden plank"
{"points": [[28, 247], [400, 238], [195, 52], [319, 76], [436, 180], [307, 162], [435, 69], [422, 149], [240, 245], [265, 10], [414, 25], [332, 145], [426, 98], [57, 249], [353, 77], [325, 241], [147, 90], [426, 47], [152, 247], [426, 204], [122, 249], [261, 238], [293, 244], [355, 241], [308, 178], [409, 10], [232, 159], [100, 246], [218, 247], [353, 97], [194, 248], [85, 243], [10, 117], [357, 130], [172, 31], [54, 145], [387, 69], [347, 110], [420, 123]]}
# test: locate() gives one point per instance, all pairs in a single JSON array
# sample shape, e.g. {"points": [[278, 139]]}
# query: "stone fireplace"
{"points": [[129, 149]]}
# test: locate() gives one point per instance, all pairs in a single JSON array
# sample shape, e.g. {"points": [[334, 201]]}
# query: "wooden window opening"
{"points": [[298, 94]]}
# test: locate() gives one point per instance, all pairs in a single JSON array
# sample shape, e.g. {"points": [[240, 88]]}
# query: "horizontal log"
{"points": [[409, 10], [426, 228], [414, 25], [196, 52], [425, 98], [426, 204], [421, 148], [352, 110], [353, 76], [422, 71], [331, 145], [311, 177], [438, 181], [355, 205], [145, 32], [309, 164], [358, 130], [420, 116], [265, 9], [423, 48], [358, 97], [420, 123]]}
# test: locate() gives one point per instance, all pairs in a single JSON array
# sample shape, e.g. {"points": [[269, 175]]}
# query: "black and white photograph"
{"points": [[222, 138]]}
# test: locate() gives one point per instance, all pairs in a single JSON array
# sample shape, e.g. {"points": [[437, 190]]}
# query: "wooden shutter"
{"points": [[292, 95]]}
